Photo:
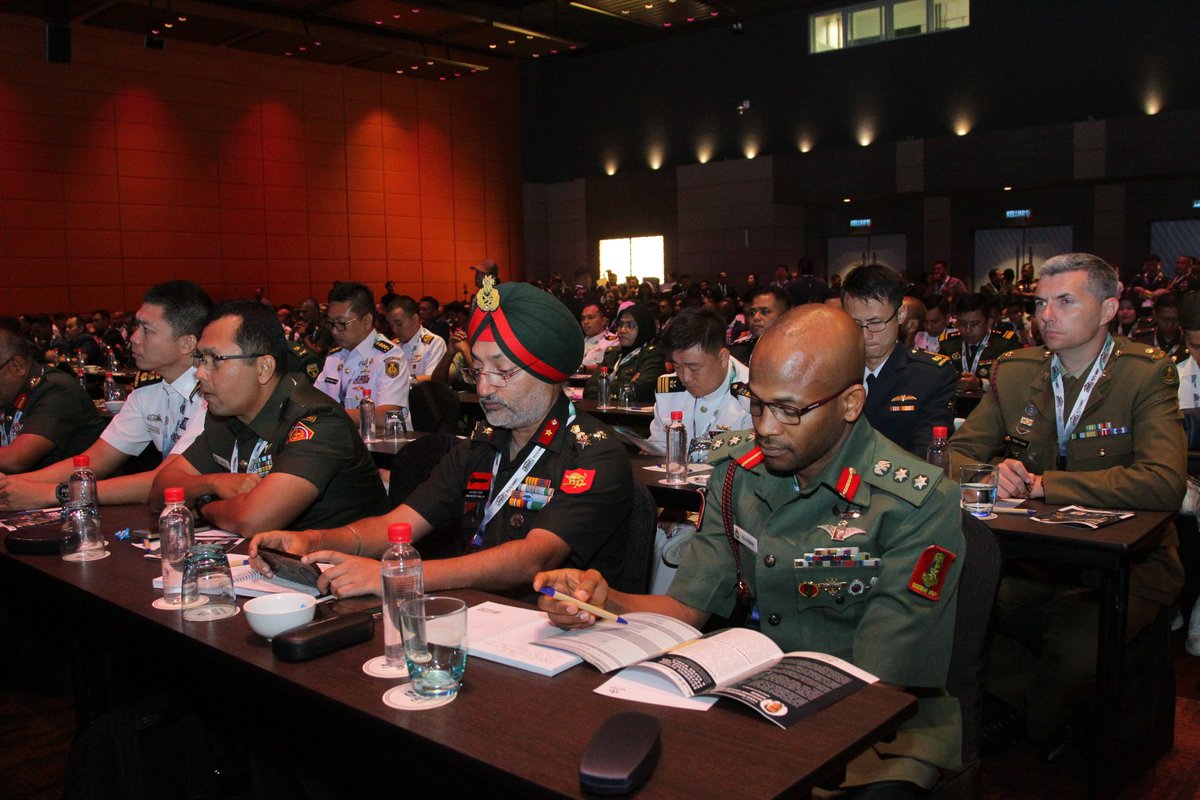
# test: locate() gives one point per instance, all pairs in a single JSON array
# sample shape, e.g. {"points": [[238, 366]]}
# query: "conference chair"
{"points": [[411, 465], [433, 407]]}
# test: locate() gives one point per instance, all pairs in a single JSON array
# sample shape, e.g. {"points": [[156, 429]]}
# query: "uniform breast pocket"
{"points": [[837, 589], [1101, 452]]}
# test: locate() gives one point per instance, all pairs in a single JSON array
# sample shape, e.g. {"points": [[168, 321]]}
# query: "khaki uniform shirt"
{"points": [[1127, 451], [892, 615]]}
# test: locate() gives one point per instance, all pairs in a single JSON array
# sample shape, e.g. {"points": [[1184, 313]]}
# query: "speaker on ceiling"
{"points": [[58, 43]]}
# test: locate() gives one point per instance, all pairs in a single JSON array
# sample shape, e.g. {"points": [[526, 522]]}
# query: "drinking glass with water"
{"points": [[435, 643], [977, 483]]}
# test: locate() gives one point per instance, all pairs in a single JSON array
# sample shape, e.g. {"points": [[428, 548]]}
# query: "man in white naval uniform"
{"points": [[596, 336], [363, 358], [423, 348], [164, 409], [694, 341]]}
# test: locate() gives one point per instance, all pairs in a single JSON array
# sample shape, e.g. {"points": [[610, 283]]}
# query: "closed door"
{"points": [[844, 253], [1174, 238], [1009, 248]]}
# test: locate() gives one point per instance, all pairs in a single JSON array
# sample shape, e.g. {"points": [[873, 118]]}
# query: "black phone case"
{"points": [[621, 754], [323, 636], [289, 567]]}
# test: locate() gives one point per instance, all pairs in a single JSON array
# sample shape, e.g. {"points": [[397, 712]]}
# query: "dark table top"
{"points": [[492, 728], [1023, 537]]}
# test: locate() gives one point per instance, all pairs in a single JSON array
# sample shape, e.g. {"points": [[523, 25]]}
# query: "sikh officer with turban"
{"points": [[537, 486]]}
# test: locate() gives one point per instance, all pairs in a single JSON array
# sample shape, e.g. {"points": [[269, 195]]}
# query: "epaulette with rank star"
{"points": [[146, 379], [736, 445], [548, 431], [426, 338], [910, 479], [334, 349], [937, 359], [383, 345], [669, 383]]}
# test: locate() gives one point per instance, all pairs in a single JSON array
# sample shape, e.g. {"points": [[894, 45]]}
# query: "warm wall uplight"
{"points": [[655, 158], [866, 135], [962, 126], [805, 144], [1153, 103], [610, 167], [704, 151], [750, 149]]}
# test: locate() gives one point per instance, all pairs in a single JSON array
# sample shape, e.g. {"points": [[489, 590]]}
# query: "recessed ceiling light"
{"points": [[845, 199]]}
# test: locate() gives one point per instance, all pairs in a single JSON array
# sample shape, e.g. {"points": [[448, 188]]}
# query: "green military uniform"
{"points": [[889, 608], [641, 368], [304, 361], [1127, 451], [998, 342], [300, 431], [51, 404]]}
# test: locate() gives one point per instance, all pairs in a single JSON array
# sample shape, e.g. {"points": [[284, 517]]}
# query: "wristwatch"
{"points": [[202, 501], [62, 493]]}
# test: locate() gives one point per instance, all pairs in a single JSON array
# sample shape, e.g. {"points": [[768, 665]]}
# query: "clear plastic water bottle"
{"points": [[938, 453], [602, 388], [82, 484], [403, 579], [677, 450], [176, 536], [366, 416], [79, 376], [112, 360], [112, 390]]}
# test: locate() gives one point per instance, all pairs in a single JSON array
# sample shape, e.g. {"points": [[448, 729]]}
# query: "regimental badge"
{"points": [[808, 590], [312, 371], [300, 433], [841, 532], [488, 298], [920, 482], [1170, 375], [577, 481], [391, 367], [882, 467], [901, 475], [930, 572], [599, 436]]}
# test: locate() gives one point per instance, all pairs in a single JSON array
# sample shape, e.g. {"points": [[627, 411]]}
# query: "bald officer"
{"points": [[813, 475], [539, 485]]}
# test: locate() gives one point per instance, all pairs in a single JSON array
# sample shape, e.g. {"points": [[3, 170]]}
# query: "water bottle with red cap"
{"points": [[403, 579]]}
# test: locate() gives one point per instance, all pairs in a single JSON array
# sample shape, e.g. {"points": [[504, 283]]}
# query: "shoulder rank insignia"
{"points": [[335, 349], [847, 484], [547, 434], [146, 379], [383, 345], [426, 338], [901, 475], [751, 459], [668, 383], [930, 572], [882, 467], [734, 441], [920, 482]]}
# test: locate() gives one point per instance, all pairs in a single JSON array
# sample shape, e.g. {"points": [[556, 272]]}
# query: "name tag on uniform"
{"points": [[331, 379], [743, 536]]}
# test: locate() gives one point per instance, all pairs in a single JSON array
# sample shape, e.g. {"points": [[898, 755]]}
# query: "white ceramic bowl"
{"points": [[114, 406], [272, 614]]}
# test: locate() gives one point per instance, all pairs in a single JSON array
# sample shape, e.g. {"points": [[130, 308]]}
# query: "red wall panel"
{"points": [[128, 166]]}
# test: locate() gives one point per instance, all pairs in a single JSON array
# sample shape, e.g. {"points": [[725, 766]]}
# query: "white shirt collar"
{"points": [[185, 384]]}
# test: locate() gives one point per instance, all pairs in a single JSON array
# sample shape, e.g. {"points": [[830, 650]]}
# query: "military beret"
{"points": [[531, 327]]}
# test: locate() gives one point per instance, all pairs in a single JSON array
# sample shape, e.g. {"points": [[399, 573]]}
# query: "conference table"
{"points": [[1109, 551], [510, 732]]}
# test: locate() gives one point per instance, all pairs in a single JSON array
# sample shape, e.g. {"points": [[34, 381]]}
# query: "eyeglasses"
{"points": [[341, 324], [788, 415], [627, 323], [210, 361], [498, 379], [877, 327]]}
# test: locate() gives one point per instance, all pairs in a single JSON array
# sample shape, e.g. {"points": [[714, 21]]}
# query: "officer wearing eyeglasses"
{"points": [[538, 485], [274, 450], [838, 540], [909, 391], [974, 347], [363, 358]]}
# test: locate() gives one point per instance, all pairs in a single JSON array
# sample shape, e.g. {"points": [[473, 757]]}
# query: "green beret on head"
{"points": [[531, 326]]}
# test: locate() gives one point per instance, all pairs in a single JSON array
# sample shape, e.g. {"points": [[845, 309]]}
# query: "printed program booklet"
{"points": [[667, 662], [1083, 517]]}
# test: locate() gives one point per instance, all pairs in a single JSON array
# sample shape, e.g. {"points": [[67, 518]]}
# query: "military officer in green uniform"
{"points": [[844, 543], [274, 451], [539, 485], [1091, 419], [638, 361], [974, 347]]}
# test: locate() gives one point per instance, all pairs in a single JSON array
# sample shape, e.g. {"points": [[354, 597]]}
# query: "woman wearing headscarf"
{"points": [[637, 361]]}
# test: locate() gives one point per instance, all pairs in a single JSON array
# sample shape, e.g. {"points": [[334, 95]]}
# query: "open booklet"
{"points": [[249, 582], [1083, 517]]}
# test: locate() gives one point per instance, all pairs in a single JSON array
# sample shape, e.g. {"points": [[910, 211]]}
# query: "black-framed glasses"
{"points": [[498, 379], [787, 415], [877, 326], [211, 361], [340, 325]]}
